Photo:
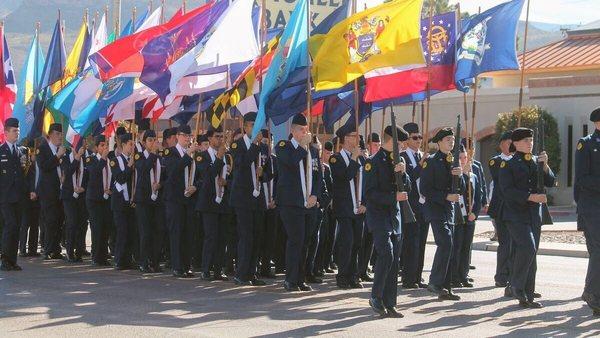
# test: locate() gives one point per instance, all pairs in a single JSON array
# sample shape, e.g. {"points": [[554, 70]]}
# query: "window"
{"points": [[570, 156]]}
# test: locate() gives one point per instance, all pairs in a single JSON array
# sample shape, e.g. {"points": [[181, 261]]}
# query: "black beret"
{"points": [[55, 127], [300, 120], [125, 137], [595, 115], [328, 146], [411, 128], [402, 134], [120, 131], [202, 138], [250, 117], [144, 124], [446, 131], [149, 133], [506, 135], [374, 137], [521, 133], [169, 132], [99, 139], [184, 129], [265, 133], [11, 122]]}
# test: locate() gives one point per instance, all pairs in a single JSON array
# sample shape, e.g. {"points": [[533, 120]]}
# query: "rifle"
{"points": [[459, 218], [408, 216], [541, 189]]}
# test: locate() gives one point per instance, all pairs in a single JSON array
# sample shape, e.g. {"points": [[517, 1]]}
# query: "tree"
{"points": [[529, 119]]}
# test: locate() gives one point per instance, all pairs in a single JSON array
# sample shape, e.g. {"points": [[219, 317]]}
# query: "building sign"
{"points": [[279, 11]]}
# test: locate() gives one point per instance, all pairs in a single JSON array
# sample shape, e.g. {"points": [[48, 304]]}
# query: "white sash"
{"points": [[106, 177], [256, 191], [122, 188], [188, 176], [355, 201], [76, 177], [306, 177], [154, 176]]}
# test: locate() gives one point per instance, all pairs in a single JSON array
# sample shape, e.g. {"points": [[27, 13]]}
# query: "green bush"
{"points": [[529, 119]]}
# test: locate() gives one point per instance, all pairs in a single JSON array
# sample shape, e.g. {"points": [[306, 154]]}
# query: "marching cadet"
{"points": [[503, 256], [521, 212], [179, 189], [121, 204], [587, 196], [147, 186], [71, 194], [383, 218], [245, 199], [30, 222], [298, 190], [12, 193], [415, 235], [365, 250], [348, 207], [210, 164], [48, 158], [327, 230], [169, 140], [435, 184], [269, 239], [470, 203], [203, 145], [97, 200]]}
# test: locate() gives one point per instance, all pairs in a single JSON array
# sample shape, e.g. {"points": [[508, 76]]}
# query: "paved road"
{"points": [[56, 299]]}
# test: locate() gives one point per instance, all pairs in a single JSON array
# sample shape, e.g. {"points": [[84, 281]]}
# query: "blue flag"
{"points": [[291, 53], [488, 43]]}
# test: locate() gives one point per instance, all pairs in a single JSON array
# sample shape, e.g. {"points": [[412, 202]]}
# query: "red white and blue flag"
{"points": [[8, 86]]}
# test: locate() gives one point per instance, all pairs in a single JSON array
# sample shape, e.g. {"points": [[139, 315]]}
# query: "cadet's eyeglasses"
{"points": [[418, 137]]}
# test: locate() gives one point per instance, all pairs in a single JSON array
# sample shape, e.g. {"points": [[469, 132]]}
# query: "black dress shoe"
{"points": [[410, 286], [355, 284], [156, 269], [471, 267], [6, 267], [467, 284], [145, 269], [342, 285], [121, 267], [534, 305], [329, 270], [241, 282], [86, 254], [221, 276], [393, 313], [56, 256], [313, 280], [456, 284], [437, 290], [501, 284], [319, 273], [377, 306], [189, 274], [449, 296], [257, 282], [268, 274], [537, 295], [178, 274], [304, 287], [34, 254], [596, 313], [366, 278], [508, 293], [422, 285], [205, 276], [47, 257], [290, 287], [16, 267], [469, 279]]}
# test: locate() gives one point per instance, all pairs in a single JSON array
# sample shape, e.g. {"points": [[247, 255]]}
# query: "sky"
{"points": [[550, 11]]}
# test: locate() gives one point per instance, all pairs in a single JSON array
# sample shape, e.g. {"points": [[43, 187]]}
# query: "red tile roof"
{"points": [[580, 51]]}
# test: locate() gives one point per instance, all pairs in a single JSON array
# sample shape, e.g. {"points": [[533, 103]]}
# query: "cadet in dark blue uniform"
{"points": [[521, 212], [147, 185], [71, 194], [327, 231], [169, 140], [503, 256], [98, 200], [435, 184], [48, 156], [269, 238], [12, 193], [245, 199], [210, 165], [298, 189], [587, 196], [348, 207], [121, 203], [179, 189], [414, 236], [383, 217], [30, 222]]}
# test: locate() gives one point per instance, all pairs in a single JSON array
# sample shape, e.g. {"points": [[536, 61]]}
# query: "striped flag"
{"points": [[8, 87]]}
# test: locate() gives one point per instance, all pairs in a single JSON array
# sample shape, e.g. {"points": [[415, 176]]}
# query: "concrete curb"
{"points": [[563, 251]]}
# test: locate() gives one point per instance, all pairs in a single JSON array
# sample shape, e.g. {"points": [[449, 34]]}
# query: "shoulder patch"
{"points": [[492, 162], [527, 157], [282, 144], [503, 164], [166, 152], [579, 145], [60, 161], [88, 160], [332, 160], [368, 167], [234, 145], [424, 165], [137, 156], [198, 158], [112, 163], [449, 158]]}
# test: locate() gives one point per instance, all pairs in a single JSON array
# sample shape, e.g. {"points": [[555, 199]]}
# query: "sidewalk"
{"points": [[564, 218]]}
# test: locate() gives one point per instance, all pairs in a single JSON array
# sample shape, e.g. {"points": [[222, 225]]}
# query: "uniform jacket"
{"points": [[12, 174]]}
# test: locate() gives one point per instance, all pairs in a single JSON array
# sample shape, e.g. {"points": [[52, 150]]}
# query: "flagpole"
{"points": [[524, 55], [428, 105], [62, 77], [308, 70], [414, 111], [383, 121]]}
